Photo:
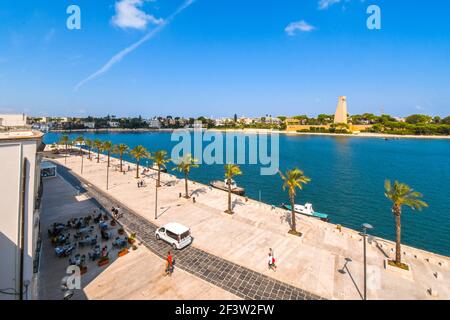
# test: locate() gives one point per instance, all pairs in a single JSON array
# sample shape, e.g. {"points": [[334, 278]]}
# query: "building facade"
{"points": [[20, 191]]}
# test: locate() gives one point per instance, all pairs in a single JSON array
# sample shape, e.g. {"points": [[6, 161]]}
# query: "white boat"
{"points": [[223, 185], [308, 210]]}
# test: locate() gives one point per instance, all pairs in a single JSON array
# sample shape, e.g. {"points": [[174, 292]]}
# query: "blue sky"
{"points": [[217, 58]]}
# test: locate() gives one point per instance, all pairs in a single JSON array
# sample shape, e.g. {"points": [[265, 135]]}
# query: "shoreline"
{"points": [[355, 135], [242, 197]]}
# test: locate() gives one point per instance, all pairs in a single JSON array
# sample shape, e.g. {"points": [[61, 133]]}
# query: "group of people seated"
{"points": [[116, 212]]}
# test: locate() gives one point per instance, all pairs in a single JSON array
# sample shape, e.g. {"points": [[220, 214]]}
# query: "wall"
{"points": [[11, 156], [13, 120]]}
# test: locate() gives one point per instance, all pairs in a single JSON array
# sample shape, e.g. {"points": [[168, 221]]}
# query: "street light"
{"points": [[156, 201], [365, 227]]}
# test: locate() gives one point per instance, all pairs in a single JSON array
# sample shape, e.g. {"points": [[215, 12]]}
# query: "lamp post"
{"points": [[107, 177], [156, 201], [365, 227]]}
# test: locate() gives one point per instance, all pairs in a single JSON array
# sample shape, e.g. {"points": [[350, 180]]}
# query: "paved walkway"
{"points": [[238, 280], [324, 261], [137, 275]]}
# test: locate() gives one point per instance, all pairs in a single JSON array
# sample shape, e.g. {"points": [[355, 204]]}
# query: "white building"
{"points": [[154, 123], [89, 124], [20, 191], [13, 120], [113, 124]]}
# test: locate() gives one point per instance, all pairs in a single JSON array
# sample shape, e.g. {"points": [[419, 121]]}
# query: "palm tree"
{"points": [[185, 166], [160, 159], [98, 145], [293, 179], [108, 147], [54, 148], [65, 141], [89, 144], [231, 170], [121, 149], [401, 195], [79, 140], [138, 153]]}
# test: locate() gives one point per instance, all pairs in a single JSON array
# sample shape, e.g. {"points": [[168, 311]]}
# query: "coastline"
{"points": [[355, 135], [255, 220]]}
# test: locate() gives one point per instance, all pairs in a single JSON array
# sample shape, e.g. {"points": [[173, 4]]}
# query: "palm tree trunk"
{"points": [[121, 163], [229, 197], [137, 169], [65, 156], [158, 184], [98, 155], [109, 155], [398, 237], [186, 186], [89, 153], [294, 226]]}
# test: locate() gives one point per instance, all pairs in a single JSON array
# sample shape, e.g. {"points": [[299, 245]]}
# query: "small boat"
{"points": [[155, 167], [308, 210], [223, 185]]}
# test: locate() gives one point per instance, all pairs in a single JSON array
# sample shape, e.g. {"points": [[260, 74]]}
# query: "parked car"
{"points": [[177, 235]]}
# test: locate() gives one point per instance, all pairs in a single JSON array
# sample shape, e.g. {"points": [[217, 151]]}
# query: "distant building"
{"points": [[340, 117], [341, 111], [20, 189], [13, 120], [154, 124], [89, 124], [113, 124]]}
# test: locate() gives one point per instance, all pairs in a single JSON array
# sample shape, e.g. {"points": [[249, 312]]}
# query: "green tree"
{"points": [[65, 142], [79, 141], [121, 150], [160, 159], [98, 145], [231, 170], [401, 195], [418, 118], [139, 152], [89, 143], [108, 147], [185, 166], [292, 180]]}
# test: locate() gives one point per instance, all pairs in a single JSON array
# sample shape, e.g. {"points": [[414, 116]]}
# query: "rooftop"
{"points": [[20, 135]]}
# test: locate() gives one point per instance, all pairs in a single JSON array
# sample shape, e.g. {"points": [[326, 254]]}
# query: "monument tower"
{"points": [[341, 111]]}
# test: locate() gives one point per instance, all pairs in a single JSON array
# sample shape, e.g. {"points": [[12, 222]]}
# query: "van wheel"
{"points": [[174, 246], [157, 237]]}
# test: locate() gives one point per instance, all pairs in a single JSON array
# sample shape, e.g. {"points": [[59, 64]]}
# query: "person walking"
{"points": [[169, 267], [271, 261]]}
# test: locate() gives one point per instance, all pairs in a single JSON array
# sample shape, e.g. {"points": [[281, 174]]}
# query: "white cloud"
{"points": [[325, 4], [129, 14], [300, 26], [123, 53]]}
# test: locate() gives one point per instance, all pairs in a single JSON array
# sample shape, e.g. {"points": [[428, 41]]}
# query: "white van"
{"points": [[177, 235]]}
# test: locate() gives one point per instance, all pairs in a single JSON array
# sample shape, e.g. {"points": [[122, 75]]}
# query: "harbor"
{"points": [[326, 260]]}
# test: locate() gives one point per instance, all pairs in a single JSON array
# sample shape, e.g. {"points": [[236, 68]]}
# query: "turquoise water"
{"points": [[347, 180]]}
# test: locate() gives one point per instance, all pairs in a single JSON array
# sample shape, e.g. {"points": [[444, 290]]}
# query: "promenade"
{"points": [[324, 262], [137, 275]]}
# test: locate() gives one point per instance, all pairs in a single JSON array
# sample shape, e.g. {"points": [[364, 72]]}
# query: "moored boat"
{"points": [[155, 167], [222, 185], [307, 210]]}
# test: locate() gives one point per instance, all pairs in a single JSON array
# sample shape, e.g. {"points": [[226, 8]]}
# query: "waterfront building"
{"points": [[20, 189], [154, 124], [89, 124], [13, 120]]}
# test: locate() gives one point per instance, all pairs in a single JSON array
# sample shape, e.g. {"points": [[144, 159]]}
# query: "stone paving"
{"points": [[325, 261], [236, 279]]}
